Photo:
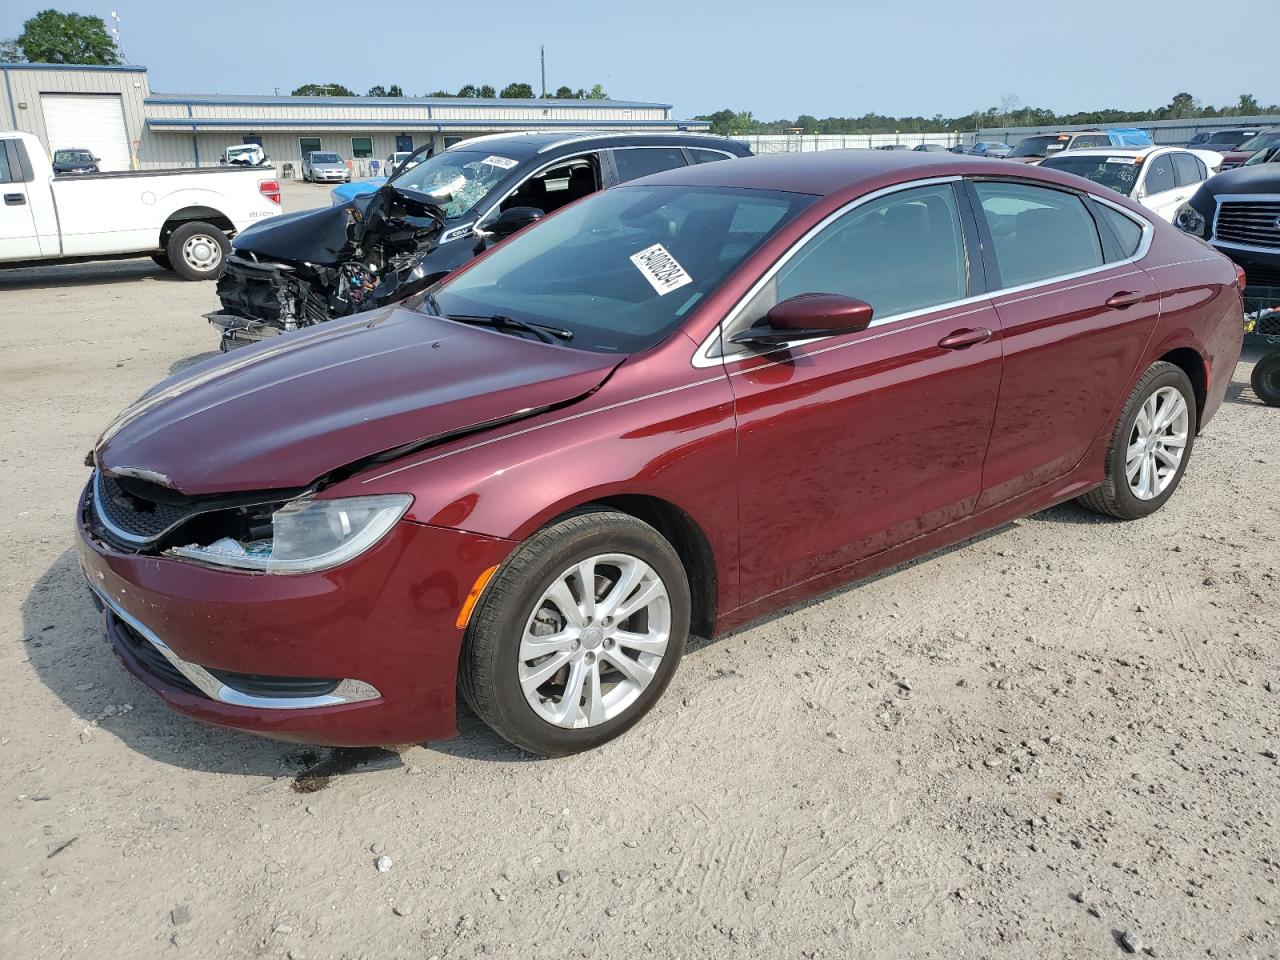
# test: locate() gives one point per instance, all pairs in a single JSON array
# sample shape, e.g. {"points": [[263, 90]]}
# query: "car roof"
{"points": [[1121, 151], [828, 172], [521, 146]]}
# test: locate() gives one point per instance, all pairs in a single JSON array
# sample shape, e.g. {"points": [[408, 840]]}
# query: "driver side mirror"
{"points": [[807, 317], [512, 220]]}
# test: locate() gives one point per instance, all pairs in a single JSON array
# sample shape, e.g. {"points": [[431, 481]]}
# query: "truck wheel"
{"points": [[197, 250], [162, 260], [1266, 380]]}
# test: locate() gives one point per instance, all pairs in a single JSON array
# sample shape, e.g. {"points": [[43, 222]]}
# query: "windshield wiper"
{"points": [[543, 331]]}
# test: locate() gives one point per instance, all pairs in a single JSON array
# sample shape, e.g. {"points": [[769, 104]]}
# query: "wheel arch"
{"points": [[191, 213], [1190, 362], [683, 533]]}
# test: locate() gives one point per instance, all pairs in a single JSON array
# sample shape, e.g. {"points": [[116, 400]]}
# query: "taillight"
{"points": [[1240, 277], [270, 189]]}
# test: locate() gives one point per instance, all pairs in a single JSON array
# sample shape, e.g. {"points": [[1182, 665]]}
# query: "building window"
{"points": [[308, 145], [362, 147], [450, 141]]}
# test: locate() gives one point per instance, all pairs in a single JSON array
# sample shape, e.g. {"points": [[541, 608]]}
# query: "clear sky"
{"points": [[776, 59]]}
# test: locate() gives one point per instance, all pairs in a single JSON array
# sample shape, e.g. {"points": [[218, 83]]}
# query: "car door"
{"points": [[18, 238], [852, 444], [1189, 171], [1075, 317], [1158, 189]]}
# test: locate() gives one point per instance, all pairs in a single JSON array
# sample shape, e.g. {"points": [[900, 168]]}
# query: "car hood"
{"points": [[1261, 178], [283, 413]]}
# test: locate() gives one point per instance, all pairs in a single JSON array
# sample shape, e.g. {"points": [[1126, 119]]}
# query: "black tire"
{"points": [[1114, 498], [190, 269], [1266, 380], [162, 260], [488, 671]]}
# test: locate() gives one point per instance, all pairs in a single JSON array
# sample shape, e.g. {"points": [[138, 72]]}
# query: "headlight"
{"points": [[308, 535], [1189, 220]]}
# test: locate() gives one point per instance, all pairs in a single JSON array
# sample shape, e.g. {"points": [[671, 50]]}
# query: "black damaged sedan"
{"points": [[426, 221]]}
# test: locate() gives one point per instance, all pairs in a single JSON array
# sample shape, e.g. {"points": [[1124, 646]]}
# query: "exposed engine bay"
{"points": [[302, 269]]}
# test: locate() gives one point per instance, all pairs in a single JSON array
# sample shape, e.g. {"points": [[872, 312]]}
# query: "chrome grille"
{"points": [[1255, 223], [130, 518]]}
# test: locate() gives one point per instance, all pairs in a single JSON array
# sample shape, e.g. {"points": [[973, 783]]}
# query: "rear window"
{"points": [[1038, 233], [706, 156]]}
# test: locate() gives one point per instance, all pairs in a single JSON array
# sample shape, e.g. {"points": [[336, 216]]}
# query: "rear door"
{"points": [[1075, 314], [1159, 190], [852, 444], [18, 239]]}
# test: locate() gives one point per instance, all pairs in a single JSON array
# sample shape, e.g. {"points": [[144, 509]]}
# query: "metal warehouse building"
{"points": [[112, 111]]}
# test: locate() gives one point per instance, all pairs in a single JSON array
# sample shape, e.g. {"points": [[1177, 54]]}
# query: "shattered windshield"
{"points": [[73, 156], [467, 176], [624, 267], [1117, 173]]}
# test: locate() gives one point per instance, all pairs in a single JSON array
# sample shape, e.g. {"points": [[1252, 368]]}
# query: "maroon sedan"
{"points": [[668, 409]]}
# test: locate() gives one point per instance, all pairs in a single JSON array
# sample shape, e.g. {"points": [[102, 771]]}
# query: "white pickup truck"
{"points": [[183, 219]]}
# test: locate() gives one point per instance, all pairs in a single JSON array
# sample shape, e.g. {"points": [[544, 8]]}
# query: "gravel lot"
{"points": [[1031, 745]]}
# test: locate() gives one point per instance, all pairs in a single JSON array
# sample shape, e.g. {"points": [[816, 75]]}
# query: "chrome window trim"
{"points": [[702, 358], [348, 691], [1222, 198], [479, 221]]}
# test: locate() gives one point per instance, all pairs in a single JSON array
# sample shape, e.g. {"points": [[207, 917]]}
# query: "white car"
{"points": [[183, 219], [400, 156], [1162, 179]]}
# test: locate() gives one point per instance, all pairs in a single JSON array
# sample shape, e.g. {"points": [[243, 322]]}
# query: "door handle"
{"points": [[1118, 301], [14, 199], [960, 339]]}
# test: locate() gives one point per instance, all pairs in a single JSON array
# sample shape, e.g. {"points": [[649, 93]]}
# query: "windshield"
{"points": [[1264, 139], [73, 156], [1225, 136], [622, 268], [468, 175], [325, 158], [1040, 146], [1115, 173], [1263, 156]]}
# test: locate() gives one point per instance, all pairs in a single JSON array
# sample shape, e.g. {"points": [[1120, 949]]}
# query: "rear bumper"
{"points": [[382, 626]]}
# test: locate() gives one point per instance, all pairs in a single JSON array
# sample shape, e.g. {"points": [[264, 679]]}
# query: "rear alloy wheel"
{"points": [[578, 634], [197, 250], [1150, 446], [1266, 380]]}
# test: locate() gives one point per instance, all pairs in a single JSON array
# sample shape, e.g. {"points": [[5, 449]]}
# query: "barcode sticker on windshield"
{"points": [[661, 269], [506, 163]]}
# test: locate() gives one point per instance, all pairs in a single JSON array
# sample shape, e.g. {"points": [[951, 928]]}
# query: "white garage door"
{"points": [[95, 122]]}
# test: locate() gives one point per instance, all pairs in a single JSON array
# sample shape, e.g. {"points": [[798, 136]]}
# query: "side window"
{"points": [[705, 156], [1128, 233], [900, 253], [1038, 233], [637, 162], [1159, 175], [7, 173], [1204, 171], [1081, 143], [558, 186], [1187, 169]]}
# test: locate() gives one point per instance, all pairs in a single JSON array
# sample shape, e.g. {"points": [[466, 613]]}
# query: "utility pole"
{"points": [[542, 61]]}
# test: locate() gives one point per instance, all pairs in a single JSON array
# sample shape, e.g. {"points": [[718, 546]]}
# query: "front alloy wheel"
{"points": [[578, 634]]}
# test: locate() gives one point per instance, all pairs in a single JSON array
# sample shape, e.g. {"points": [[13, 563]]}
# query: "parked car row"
{"points": [[1162, 179], [534, 479]]}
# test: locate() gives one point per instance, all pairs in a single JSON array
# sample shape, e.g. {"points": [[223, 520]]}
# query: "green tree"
{"points": [[597, 93], [395, 90], [725, 122], [1248, 106], [441, 93], [809, 122], [323, 90], [10, 51], [516, 91], [486, 92], [564, 93], [55, 37], [377, 90]]}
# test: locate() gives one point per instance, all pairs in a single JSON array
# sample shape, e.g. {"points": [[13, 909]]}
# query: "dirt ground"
{"points": [[1028, 746]]}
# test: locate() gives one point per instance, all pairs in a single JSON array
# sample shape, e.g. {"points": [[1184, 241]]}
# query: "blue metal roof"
{"points": [[236, 100], [113, 67], [189, 124]]}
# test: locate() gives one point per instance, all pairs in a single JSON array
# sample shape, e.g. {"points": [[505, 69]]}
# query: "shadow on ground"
{"points": [[83, 274]]}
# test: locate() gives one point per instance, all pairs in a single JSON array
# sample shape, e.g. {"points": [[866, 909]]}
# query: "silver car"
{"points": [[320, 167]]}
